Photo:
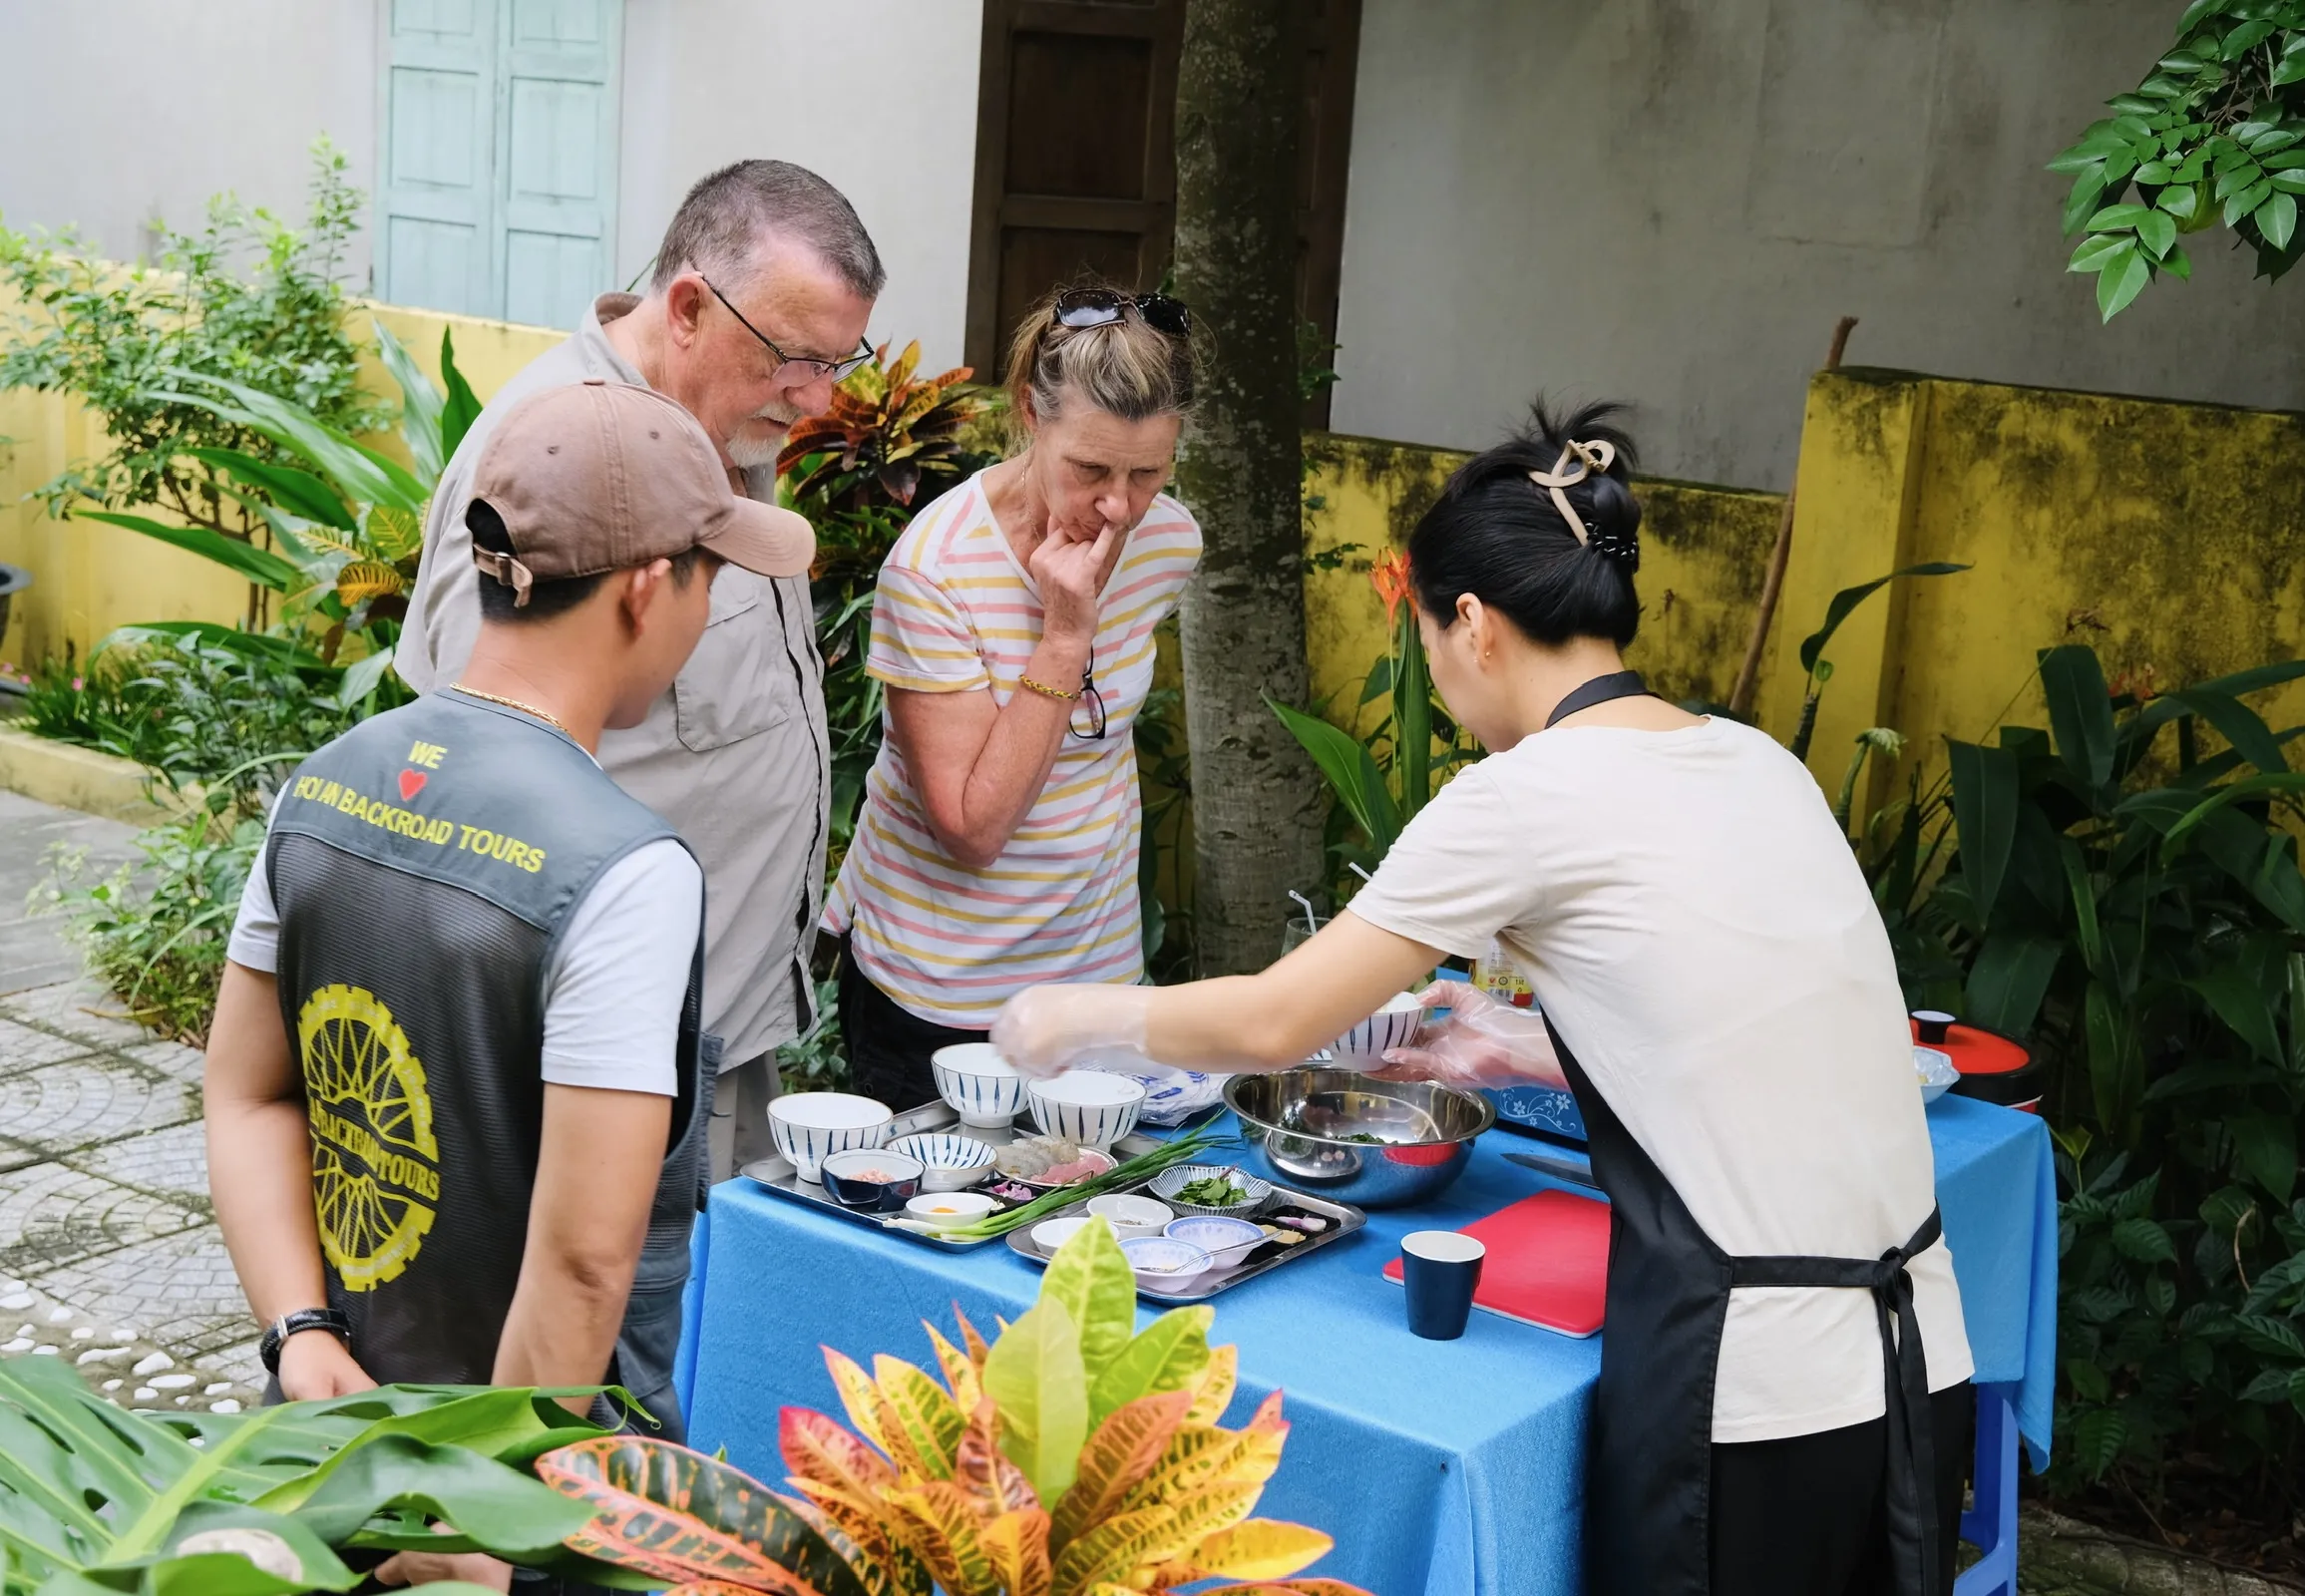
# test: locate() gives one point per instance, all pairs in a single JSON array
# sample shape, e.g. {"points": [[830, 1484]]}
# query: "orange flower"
{"points": [[1389, 577]]}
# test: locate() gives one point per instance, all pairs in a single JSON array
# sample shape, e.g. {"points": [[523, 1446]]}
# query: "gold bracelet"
{"points": [[1046, 690]]}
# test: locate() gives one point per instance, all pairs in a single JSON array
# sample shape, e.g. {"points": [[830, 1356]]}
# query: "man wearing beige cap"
{"points": [[757, 305], [454, 1082]]}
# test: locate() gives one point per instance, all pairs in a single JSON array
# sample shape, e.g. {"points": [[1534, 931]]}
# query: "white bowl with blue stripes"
{"points": [[1088, 1107], [977, 1084], [810, 1126], [1393, 1026], [955, 1163]]}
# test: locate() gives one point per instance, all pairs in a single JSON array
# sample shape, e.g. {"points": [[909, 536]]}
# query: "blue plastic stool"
{"points": [[1991, 1526]]}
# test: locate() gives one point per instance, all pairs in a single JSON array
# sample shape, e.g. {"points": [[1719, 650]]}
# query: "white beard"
{"points": [[753, 453]]}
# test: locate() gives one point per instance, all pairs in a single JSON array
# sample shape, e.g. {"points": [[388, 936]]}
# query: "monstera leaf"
{"points": [[97, 1500]]}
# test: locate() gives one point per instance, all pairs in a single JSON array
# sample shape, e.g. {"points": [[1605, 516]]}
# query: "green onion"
{"points": [[1181, 1150]]}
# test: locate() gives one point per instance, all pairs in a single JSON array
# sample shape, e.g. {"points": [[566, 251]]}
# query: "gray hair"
{"points": [[719, 226]]}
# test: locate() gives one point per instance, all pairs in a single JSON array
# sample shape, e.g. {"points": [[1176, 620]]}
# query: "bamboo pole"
{"points": [[1749, 675]]}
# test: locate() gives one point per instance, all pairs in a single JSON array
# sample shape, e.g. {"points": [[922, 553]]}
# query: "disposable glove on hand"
{"points": [[1045, 1031], [1483, 1042]]}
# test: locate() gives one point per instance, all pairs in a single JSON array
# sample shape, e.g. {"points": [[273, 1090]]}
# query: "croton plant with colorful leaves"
{"points": [[1073, 1456]]}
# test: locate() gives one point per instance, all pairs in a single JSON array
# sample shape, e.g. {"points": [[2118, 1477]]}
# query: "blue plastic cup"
{"points": [[1440, 1270]]}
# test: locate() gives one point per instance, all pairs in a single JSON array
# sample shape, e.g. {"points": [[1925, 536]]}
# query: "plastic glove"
{"points": [[1483, 1042], [1045, 1031]]}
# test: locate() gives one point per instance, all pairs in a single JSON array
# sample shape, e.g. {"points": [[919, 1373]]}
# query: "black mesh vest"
{"points": [[425, 865]]}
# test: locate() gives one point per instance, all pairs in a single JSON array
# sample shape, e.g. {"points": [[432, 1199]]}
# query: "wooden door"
{"points": [[497, 194], [1076, 156]]}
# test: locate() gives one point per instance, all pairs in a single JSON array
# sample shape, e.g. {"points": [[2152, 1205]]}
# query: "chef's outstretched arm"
{"points": [[1234, 1023]]}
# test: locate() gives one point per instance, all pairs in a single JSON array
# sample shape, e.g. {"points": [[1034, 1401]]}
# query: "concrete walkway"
{"points": [[109, 1250]]}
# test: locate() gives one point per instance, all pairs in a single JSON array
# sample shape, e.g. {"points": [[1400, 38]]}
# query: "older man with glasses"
{"points": [[757, 306]]}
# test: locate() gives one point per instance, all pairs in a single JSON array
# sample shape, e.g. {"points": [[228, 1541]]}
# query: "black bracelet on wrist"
{"points": [[303, 1319]]}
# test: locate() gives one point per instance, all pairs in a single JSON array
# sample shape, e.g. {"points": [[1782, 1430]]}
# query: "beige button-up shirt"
{"points": [[735, 755]]}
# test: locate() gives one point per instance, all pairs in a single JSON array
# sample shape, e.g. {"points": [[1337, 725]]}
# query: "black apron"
{"points": [[1650, 1469]]}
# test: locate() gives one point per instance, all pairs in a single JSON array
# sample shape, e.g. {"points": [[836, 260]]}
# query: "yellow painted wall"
{"points": [[88, 578], [2169, 537]]}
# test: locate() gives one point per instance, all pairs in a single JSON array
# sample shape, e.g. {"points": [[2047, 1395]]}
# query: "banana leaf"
{"points": [[462, 406], [297, 492], [259, 566], [356, 471], [420, 403], [1352, 772]]}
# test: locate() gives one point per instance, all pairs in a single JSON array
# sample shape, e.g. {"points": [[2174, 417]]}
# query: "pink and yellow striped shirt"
{"points": [[956, 612]]}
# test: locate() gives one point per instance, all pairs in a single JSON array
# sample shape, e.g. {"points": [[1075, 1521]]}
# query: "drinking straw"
{"points": [[1311, 927]]}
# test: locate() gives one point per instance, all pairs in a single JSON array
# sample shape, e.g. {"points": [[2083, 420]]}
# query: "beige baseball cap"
{"points": [[604, 476]]}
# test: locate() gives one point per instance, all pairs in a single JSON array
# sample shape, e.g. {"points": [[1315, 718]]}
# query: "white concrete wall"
{"points": [[115, 111], [876, 96], [116, 108], [1670, 200]]}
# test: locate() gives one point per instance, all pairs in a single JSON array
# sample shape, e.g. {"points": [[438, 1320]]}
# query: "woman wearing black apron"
{"points": [[1784, 1400]]}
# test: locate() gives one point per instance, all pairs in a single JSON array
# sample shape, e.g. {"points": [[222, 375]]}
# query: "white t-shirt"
{"points": [[614, 992], [1692, 920]]}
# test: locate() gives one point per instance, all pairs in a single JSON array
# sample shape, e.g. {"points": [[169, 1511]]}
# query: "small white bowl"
{"points": [[1088, 1107], [1392, 1026], [1163, 1264], [1177, 1177], [944, 1210], [1933, 1067], [955, 1163], [1051, 1234], [810, 1126], [977, 1084], [1226, 1241], [1130, 1215]]}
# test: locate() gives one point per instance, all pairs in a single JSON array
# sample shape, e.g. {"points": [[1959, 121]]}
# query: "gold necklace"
{"points": [[515, 703]]}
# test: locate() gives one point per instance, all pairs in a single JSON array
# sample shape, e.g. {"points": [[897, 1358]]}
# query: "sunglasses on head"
{"points": [[1101, 308]]}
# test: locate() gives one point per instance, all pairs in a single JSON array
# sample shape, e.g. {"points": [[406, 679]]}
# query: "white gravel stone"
{"points": [[102, 1354], [217, 1389], [144, 1394], [23, 1330], [83, 1332], [44, 1352], [224, 1406], [18, 1300], [168, 1382], [181, 1401], [60, 1316], [21, 1344], [112, 1385], [153, 1363], [11, 1283]]}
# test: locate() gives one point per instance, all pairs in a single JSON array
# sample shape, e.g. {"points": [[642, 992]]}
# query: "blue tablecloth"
{"points": [[1440, 1466]]}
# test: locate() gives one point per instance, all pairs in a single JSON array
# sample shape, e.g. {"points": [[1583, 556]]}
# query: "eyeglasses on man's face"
{"points": [[801, 369]]}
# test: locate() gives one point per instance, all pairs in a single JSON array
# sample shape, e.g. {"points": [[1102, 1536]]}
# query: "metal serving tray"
{"points": [[1344, 1219], [775, 1173]]}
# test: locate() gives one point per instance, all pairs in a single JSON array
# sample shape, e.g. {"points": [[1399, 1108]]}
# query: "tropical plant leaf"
{"points": [[358, 472], [819, 1452], [2079, 713], [1121, 1456], [1287, 1587], [1108, 1553], [920, 1412], [1351, 773], [2236, 722], [859, 1395], [727, 1524], [1214, 1394], [1985, 803], [259, 566], [961, 1376], [1261, 1548], [1016, 1545], [461, 406], [420, 403], [1168, 1356], [2279, 782], [940, 1525], [299, 492], [982, 1470], [975, 1344], [1092, 1278], [2010, 977], [494, 1509], [1848, 599], [1035, 1375], [363, 579]]}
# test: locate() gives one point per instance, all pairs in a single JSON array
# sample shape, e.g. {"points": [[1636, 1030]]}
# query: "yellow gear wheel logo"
{"points": [[375, 1164]]}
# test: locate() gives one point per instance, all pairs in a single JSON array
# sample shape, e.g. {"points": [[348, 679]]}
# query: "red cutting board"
{"points": [[1547, 1263]]}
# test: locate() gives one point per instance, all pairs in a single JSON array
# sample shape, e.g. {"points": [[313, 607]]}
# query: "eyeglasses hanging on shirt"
{"points": [[1091, 702]]}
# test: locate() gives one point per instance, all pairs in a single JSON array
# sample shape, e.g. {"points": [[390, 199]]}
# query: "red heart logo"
{"points": [[411, 783]]}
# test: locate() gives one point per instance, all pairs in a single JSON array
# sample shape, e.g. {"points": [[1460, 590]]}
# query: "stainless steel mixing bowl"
{"points": [[1307, 1117]]}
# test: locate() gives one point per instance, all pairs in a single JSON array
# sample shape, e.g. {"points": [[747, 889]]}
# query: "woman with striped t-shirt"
{"points": [[1013, 628]]}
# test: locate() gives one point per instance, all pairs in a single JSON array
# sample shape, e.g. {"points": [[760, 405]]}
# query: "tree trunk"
{"points": [[1257, 809]]}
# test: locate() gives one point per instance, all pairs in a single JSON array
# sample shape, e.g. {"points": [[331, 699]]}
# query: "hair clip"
{"points": [[1598, 455]]}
